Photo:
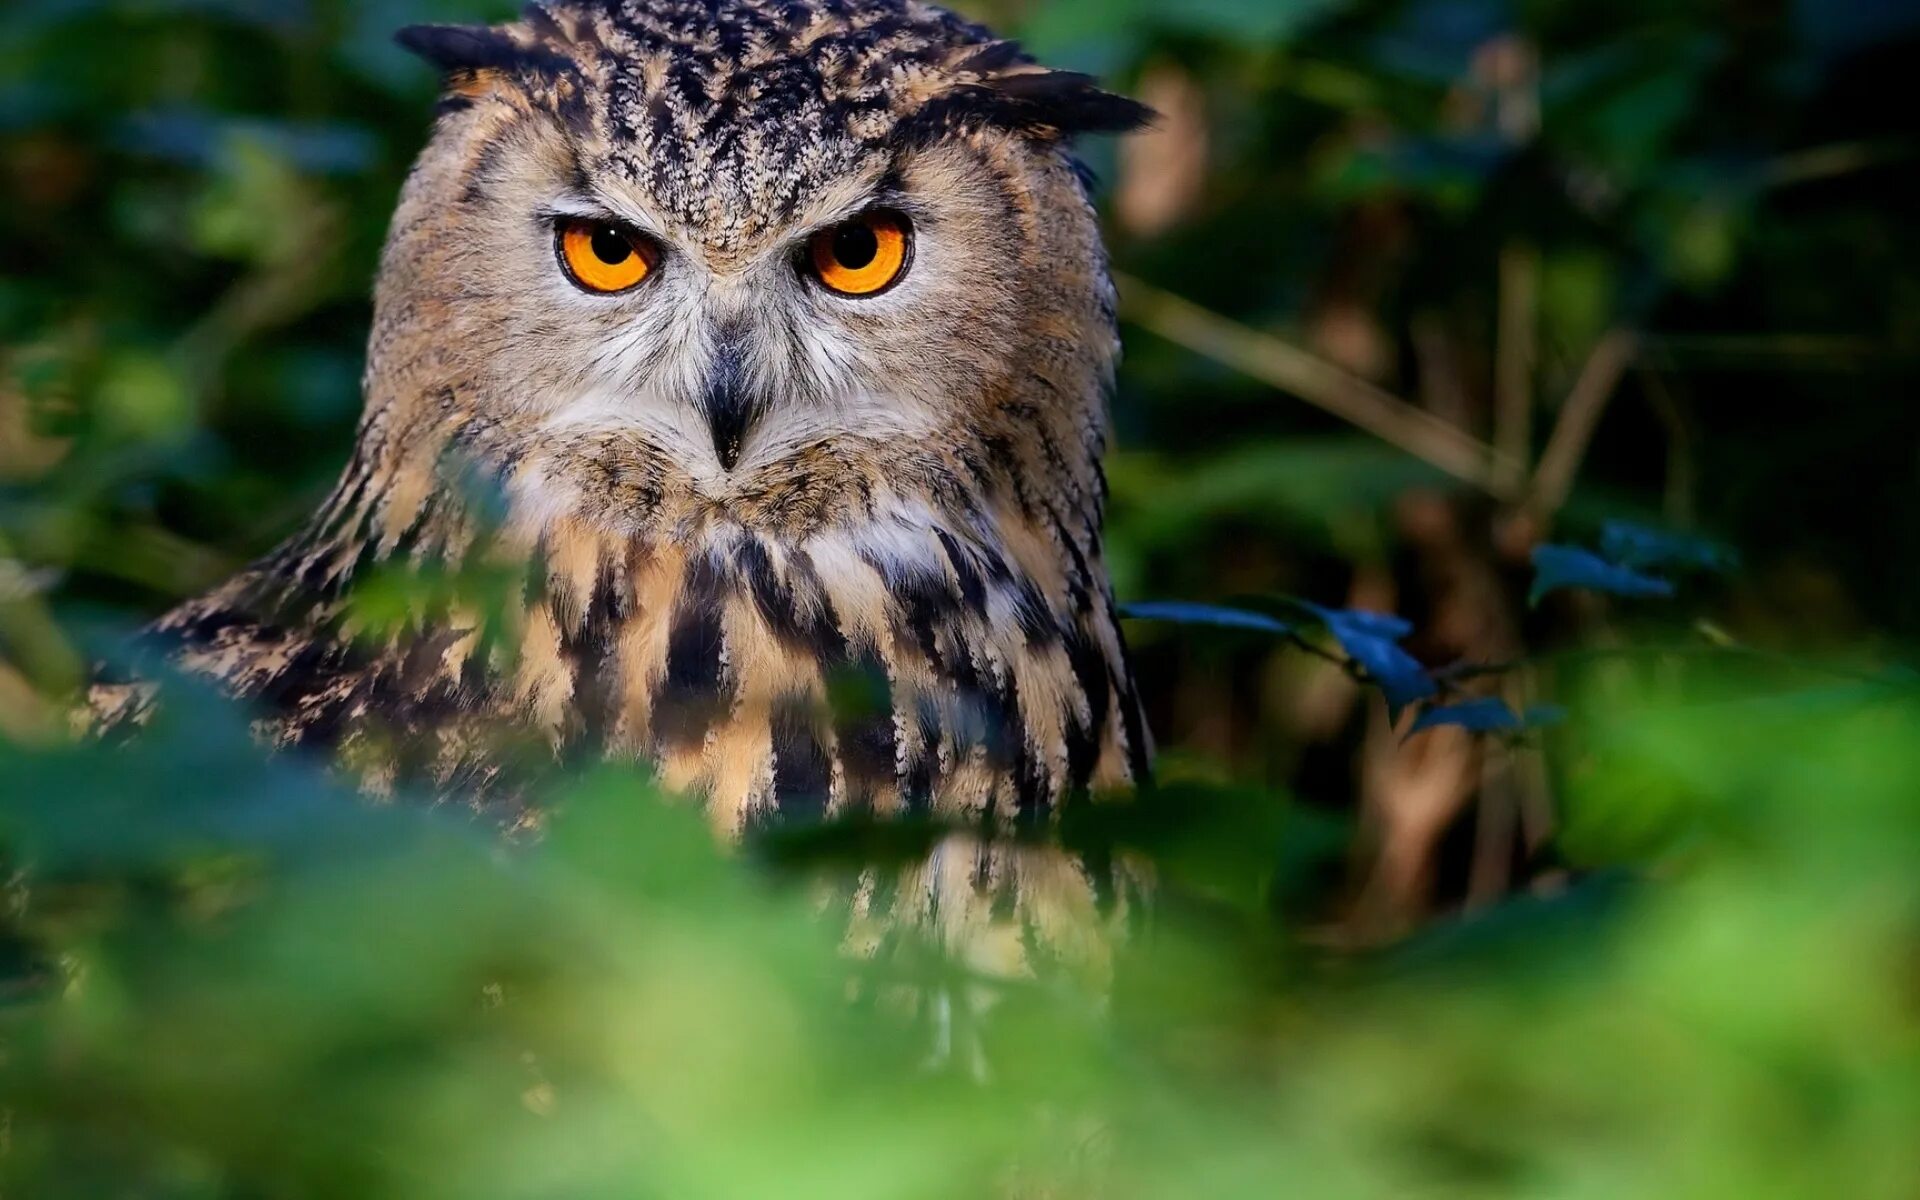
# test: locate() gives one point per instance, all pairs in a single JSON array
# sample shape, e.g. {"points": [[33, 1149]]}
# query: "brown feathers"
{"points": [[725, 653], [884, 593]]}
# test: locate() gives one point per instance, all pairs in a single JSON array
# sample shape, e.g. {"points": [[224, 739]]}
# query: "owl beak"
{"points": [[729, 406]]}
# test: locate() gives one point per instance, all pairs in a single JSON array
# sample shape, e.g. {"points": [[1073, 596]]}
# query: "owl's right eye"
{"points": [[603, 258]]}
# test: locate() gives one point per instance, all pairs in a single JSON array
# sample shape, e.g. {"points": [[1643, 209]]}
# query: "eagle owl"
{"points": [[778, 335]]}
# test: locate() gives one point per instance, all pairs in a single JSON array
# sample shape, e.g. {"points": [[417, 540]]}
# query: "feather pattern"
{"points": [[889, 597]]}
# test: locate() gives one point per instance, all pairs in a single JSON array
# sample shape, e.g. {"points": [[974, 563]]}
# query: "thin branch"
{"points": [[1515, 71], [1318, 382], [1682, 474], [1828, 162], [1579, 417], [1496, 830], [1442, 386], [1515, 345]]}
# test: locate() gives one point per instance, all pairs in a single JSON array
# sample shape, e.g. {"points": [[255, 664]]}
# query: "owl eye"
{"points": [[604, 258], [864, 256]]}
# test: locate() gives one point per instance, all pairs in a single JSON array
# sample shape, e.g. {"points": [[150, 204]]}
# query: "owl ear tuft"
{"points": [[459, 47], [999, 85], [470, 56], [1066, 101]]}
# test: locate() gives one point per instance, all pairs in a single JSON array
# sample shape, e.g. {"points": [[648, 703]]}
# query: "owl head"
{"points": [[765, 257]]}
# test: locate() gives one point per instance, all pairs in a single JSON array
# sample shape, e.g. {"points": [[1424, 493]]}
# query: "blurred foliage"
{"points": [[266, 988], [1632, 914]]}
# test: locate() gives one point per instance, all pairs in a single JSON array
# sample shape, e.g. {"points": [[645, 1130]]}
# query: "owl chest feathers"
{"points": [[881, 658], [887, 668]]}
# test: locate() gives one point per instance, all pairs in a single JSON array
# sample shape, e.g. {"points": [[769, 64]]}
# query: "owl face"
{"points": [[737, 234], [888, 299]]}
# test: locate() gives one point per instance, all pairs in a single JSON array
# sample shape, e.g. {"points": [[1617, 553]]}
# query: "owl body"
{"points": [[740, 490]]}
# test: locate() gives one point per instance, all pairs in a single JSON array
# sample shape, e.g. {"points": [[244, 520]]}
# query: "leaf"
{"points": [[1539, 930], [1557, 567], [1488, 714], [1370, 624], [1642, 548], [1373, 641], [1619, 106], [1182, 612]]}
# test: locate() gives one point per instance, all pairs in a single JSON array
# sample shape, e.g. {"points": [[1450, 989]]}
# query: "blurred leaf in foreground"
{"points": [[240, 981]]}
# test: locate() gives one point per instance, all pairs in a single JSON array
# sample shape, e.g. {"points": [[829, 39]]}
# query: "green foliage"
{"points": [[265, 987]]}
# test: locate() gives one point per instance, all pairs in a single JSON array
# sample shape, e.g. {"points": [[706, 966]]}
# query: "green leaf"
{"points": [[1558, 567], [1641, 548], [1373, 641], [1182, 612]]}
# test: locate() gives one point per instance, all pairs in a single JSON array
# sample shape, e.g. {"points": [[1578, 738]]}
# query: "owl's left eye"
{"points": [[603, 258], [864, 256]]}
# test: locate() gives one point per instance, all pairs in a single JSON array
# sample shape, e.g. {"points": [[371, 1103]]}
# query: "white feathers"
{"points": [[640, 363]]}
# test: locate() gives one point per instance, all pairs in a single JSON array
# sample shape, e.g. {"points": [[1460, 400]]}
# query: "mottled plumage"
{"points": [[912, 516]]}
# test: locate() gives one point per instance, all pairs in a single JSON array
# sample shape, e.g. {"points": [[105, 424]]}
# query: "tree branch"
{"points": [[1320, 383], [1579, 417]]}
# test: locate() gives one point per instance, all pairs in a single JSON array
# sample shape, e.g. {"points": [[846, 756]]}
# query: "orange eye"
{"points": [[602, 258], [863, 256]]}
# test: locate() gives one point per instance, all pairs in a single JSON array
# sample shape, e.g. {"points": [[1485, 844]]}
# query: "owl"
{"points": [[764, 346]]}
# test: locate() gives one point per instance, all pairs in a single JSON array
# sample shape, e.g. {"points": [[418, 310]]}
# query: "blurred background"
{"points": [[1410, 289]]}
